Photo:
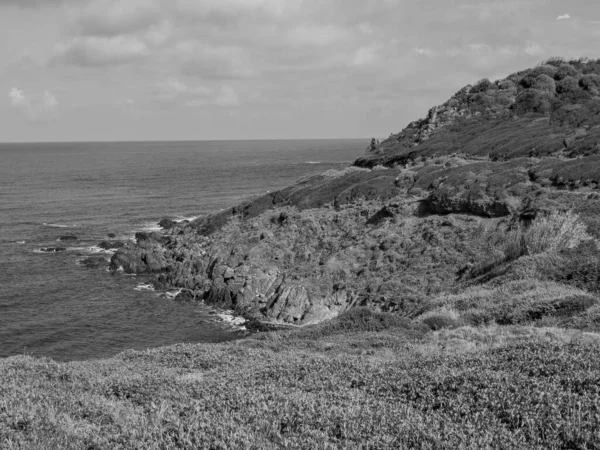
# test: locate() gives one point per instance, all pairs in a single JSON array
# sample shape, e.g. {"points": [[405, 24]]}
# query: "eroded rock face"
{"points": [[146, 258]]}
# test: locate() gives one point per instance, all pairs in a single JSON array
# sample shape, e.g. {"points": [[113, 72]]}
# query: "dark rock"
{"points": [[152, 237], [166, 223], [68, 237], [112, 235], [140, 259], [110, 245], [379, 216], [94, 262]]}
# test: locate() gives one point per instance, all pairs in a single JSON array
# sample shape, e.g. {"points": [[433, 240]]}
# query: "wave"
{"points": [[55, 225], [144, 287], [230, 319], [50, 250], [21, 242], [172, 294], [190, 218], [312, 162], [92, 249], [150, 226]]}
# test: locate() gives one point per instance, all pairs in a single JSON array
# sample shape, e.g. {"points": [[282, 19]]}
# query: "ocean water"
{"points": [[52, 306]]}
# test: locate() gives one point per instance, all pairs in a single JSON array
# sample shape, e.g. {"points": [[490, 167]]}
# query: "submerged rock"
{"points": [[166, 223], [69, 237], [94, 262], [110, 245]]}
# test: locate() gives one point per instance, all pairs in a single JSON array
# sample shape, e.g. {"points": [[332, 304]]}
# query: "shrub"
{"points": [[527, 81], [565, 70], [482, 86], [555, 232], [544, 69], [332, 173], [590, 83], [567, 84], [545, 84], [555, 61], [532, 100]]}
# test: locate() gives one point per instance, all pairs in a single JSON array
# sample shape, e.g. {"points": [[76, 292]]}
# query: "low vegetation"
{"points": [[363, 381]]}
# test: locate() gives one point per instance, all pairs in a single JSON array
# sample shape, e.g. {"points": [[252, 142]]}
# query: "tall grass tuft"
{"points": [[554, 232]]}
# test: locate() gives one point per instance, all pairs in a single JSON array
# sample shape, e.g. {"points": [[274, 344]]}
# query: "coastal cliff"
{"points": [[424, 214]]}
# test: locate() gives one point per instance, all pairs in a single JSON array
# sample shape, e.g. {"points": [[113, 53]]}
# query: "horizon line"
{"points": [[183, 140]]}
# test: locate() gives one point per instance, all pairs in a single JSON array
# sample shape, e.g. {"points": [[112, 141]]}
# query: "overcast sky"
{"points": [[248, 69]]}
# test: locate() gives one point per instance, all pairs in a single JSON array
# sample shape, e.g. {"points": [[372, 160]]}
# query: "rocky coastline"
{"points": [[408, 221]]}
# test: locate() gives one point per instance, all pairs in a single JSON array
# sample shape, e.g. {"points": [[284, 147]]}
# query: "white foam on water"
{"points": [[45, 251], [144, 287], [20, 242], [234, 321], [190, 218], [55, 225], [93, 249], [172, 294], [312, 162], [150, 226]]}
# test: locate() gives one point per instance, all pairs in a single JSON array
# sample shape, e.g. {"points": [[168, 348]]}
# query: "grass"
{"points": [[515, 302], [516, 387], [554, 232]]}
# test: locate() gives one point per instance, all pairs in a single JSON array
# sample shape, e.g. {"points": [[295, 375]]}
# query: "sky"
{"points": [[112, 70]]}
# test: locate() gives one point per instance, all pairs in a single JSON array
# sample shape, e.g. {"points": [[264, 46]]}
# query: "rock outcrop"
{"points": [[411, 219]]}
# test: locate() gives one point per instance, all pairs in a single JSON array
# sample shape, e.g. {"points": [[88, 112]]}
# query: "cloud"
{"points": [[115, 17], [32, 3], [316, 35], [214, 62], [563, 17], [534, 49], [176, 92], [33, 107], [423, 51], [102, 51], [365, 55], [227, 97]]}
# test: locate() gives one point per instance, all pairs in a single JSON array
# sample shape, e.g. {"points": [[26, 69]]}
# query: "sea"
{"points": [[51, 305]]}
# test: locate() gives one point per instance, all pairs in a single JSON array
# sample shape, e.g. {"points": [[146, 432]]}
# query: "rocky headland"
{"points": [[458, 263], [417, 217]]}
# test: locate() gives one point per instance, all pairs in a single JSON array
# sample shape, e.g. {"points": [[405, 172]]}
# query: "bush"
{"points": [[565, 70], [332, 173], [545, 84], [439, 322], [482, 86], [544, 69], [555, 232], [590, 83], [532, 100]]}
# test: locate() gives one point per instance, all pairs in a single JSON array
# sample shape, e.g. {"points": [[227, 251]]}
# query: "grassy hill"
{"points": [[442, 292]]}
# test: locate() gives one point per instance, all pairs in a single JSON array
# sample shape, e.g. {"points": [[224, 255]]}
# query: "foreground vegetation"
{"points": [[335, 385]]}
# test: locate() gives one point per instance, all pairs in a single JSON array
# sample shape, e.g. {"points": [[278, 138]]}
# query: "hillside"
{"points": [[425, 214]]}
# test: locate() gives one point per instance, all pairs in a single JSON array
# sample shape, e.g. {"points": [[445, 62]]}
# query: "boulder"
{"points": [[166, 223], [152, 237], [94, 262], [137, 259], [112, 235], [110, 245]]}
